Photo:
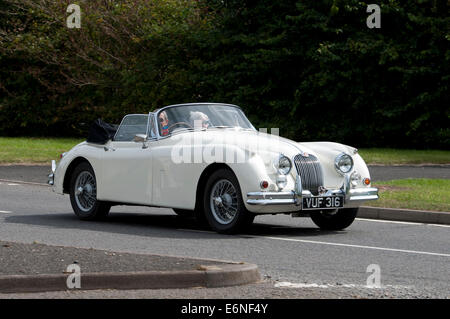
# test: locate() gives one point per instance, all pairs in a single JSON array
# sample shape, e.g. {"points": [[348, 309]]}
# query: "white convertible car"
{"points": [[207, 160]]}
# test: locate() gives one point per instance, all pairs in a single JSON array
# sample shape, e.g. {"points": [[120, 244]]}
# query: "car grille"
{"points": [[309, 169]]}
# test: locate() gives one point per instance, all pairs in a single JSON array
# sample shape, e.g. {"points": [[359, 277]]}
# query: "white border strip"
{"points": [[22, 182], [356, 246], [399, 222]]}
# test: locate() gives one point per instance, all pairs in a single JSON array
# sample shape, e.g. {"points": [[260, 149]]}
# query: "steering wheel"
{"points": [[179, 123]]}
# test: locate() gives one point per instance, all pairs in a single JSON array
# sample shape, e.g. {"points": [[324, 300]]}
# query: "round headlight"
{"points": [[343, 163], [284, 165]]}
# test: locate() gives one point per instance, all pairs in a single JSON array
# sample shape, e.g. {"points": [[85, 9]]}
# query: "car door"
{"points": [[127, 165]]}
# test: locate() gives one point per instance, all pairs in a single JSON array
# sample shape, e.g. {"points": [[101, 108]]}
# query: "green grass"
{"points": [[421, 194], [43, 150], [388, 156], [33, 150]]}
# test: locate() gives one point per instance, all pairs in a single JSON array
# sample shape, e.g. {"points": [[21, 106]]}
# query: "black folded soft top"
{"points": [[101, 132]]}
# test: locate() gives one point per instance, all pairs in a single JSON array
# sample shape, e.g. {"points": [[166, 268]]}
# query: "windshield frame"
{"points": [[158, 111]]}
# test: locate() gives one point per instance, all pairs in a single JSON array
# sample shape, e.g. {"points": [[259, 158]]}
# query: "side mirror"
{"points": [[140, 138]]}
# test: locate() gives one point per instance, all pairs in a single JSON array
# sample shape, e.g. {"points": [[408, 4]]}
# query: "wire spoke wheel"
{"points": [[85, 191], [83, 194], [224, 201]]}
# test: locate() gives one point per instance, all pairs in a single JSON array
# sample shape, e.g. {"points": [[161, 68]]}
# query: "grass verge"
{"points": [[43, 150], [389, 156], [420, 194], [33, 150]]}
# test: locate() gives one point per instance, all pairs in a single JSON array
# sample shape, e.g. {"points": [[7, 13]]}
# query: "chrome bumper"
{"points": [[51, 176], [295, 197]]}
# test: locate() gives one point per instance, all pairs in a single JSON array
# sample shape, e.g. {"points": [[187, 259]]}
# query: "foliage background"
{"points": [[311, 68]]}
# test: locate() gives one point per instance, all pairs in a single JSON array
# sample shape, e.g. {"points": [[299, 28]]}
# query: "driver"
{"points": [[164, 122], [201, 117]]}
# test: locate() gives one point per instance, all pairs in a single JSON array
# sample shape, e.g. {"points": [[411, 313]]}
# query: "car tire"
{"points": [[184, 212], [223, 207], [334, 221], [83, 194]]}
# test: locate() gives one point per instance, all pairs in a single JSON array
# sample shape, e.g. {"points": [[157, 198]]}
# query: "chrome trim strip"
{"points": [[363, 198], [264, 195], [51, 176], [51, 179], [370, 193], [266, 202]]}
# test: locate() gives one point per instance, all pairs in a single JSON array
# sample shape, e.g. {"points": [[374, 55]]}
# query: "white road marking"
{"points": [[355, 246], [287, 284], [332, 244], [11, 184], [400, 222], [22, 182], [5, 212]]}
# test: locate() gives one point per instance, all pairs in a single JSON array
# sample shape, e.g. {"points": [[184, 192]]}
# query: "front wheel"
{"points": [[334, 220], [83, 194], [223, 206]]}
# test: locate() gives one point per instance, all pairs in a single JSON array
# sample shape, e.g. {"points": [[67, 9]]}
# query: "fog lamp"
{"points": [[355, 178], [281, 181]]}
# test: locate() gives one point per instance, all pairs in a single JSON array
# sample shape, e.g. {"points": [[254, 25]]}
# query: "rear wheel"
{"points": [[334, 220], [83, 194], [223, 206]]}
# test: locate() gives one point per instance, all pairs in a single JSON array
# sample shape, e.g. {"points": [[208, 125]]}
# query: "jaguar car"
{"points": [[207, 160]]}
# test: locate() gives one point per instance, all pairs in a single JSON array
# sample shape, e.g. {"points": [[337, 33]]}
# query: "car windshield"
{"points": [[131, 125], [204, 116]]}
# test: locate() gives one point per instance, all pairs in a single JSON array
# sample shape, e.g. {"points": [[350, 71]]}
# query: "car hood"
{"points": [[260, 142]]}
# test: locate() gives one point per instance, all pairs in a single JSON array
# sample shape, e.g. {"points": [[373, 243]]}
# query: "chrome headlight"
{"points": [[283, 165], [343, 163]]}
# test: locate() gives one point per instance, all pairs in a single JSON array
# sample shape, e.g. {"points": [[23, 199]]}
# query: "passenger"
{"points": [[164, 122], [199, 117]]}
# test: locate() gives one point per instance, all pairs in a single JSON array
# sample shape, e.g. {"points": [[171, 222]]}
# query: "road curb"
{"points": [[408, 215], [205, 276], [439, 165]]}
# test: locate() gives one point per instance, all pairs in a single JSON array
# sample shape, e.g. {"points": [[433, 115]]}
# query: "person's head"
{"points": [[164, 122], [199, 117]]}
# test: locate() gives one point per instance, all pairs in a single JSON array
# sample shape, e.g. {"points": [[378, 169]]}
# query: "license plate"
{"points": [[323, 202]]}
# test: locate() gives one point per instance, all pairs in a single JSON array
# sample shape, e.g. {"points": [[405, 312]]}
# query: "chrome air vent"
{"points": [[309, 169]]}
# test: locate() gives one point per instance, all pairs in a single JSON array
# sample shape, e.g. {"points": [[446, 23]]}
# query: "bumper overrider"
{"points": [[295, 197], [51, 176]]}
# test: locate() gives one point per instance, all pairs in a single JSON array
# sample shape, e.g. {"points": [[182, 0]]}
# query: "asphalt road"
{"points": [[296, 259]]}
